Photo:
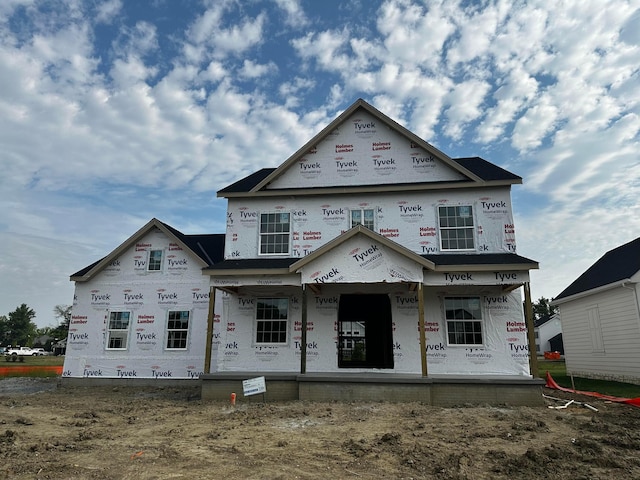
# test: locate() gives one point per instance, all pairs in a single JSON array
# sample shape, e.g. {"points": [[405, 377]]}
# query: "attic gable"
{"points": [[206, 249], [363, 149]]}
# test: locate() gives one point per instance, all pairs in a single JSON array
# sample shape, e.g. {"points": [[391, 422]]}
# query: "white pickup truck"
{"points": [[23, 351]]}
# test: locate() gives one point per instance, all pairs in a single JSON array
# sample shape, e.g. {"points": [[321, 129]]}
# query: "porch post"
{"points": [[210, 320], [303, 339], [531, 336], [423, 338]]}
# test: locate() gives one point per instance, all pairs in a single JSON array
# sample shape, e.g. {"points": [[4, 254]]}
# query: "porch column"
{"points": [[531, 336], [303, 338], [423, 337], [210, 320]]}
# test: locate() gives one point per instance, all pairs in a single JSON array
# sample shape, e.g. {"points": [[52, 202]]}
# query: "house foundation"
{"points": [[436, 391]]}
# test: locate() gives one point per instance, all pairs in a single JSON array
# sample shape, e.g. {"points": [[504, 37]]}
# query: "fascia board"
{"points": [[370, 189], [488, 267], [245, 272]]}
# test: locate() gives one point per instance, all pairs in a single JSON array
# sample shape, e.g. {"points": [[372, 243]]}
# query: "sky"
{"points": [[114, 112]]}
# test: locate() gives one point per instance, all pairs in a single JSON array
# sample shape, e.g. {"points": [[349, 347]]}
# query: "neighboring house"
{"points": [[142, 311], [548, 333], [600, 317], [368, 265]]}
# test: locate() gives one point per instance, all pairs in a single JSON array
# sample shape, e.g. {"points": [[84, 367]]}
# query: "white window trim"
{"points": [[362, 210], [188, 329], [127, 330], [161, 250], [481, 321], [473, 228], [289, 233], [256, 320]]}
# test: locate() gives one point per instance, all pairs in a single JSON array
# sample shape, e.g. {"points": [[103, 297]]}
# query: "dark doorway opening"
{"points": [[365, 333]]}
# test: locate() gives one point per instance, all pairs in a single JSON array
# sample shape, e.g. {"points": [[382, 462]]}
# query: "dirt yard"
{"points": [[122, 433]]}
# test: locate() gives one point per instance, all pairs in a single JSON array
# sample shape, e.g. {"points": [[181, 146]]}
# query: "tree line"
{"points": [[18, 329]]}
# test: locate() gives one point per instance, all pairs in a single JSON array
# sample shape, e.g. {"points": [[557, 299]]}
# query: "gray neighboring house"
{"points": [[600, 316]]}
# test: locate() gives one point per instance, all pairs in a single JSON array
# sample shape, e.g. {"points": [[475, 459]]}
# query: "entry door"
{"points": [[365, 335]]}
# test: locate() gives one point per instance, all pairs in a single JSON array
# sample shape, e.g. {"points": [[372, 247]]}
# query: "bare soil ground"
{"points": [[127, 433]]}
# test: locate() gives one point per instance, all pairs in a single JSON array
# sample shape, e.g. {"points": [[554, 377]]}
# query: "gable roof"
{"points": [[364, 231], [207, 248], [617, 265], [475, 169]]}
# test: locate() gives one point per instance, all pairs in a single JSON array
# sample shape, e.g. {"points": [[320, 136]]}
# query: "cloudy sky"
{"points": [[113, 112]]}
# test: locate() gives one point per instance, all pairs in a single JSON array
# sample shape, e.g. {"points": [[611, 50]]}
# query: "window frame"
{"points": [[362, 217], [157, 263], [456, 228], [257, 331], [265, 235], [111, 330], [169, 331], [473, 322]]}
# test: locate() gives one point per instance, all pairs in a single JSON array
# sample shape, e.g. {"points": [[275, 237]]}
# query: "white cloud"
{"points": [[254, 70], [295, 16], [108, 10]]}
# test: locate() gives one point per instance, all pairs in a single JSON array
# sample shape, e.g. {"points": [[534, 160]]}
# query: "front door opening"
{"points": [[365, 336]]}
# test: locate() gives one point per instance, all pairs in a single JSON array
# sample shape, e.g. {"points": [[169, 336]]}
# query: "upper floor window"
{"points": [[177, 329], [272, 322], [464, 320], [274, 233], [456, 227], [155, 260], [362, 216], [118, 331]]}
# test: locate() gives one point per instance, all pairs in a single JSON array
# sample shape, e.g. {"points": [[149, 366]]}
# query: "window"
{"points": [[274, 233], [464, 320], [456, 227], [155, 260], [595, 329], [272, 320], [118, 331], [362, 216], [177, 330]]}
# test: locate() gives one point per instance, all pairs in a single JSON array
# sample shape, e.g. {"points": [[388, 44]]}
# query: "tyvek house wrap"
{"points": [[505, 351], [412, 221], [126, 285], [364, 151]]}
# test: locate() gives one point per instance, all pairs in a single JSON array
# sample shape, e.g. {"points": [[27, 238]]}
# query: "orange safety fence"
{"points": [[26, 370], [551, 383]]}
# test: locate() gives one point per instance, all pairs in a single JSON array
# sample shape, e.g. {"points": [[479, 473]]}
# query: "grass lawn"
{"points": [[40, 366], [558, 371]]}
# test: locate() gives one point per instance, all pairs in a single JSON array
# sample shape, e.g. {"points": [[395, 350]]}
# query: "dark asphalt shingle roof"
{"points": [[615, 265], [487, 171], [481, 259], [254, 263]]}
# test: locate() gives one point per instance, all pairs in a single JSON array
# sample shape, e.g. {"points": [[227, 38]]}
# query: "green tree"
{"points": [[542, 307], [63, 314], [20, 327], [4, 329]]}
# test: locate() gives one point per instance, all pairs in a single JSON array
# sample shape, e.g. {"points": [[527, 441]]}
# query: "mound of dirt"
{"points": [[149, 433]]}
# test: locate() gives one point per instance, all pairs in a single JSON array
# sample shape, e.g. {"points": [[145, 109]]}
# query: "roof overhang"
{"points": [[593, 291]]}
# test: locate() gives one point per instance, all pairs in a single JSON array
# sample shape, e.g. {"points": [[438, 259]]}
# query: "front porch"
{"points": [[438, 390]]}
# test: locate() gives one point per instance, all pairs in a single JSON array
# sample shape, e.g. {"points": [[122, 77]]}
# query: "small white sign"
{"points": [[253, 386]]}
